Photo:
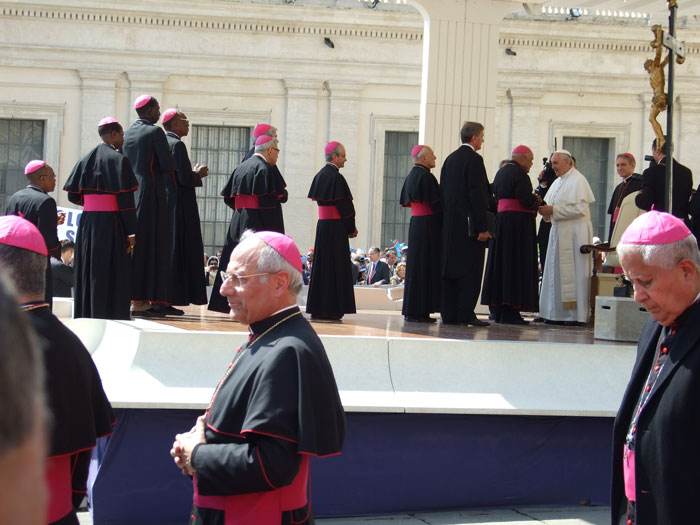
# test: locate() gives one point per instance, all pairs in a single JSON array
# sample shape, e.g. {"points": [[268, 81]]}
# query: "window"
{"points": [[20, 142], [397, 164], [593, 160], [222, 149]]}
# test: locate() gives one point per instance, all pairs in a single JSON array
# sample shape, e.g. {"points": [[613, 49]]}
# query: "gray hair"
{"points": [[665, 256], [420, 154], [25, 268], [264, 147], [335, 151], [565, 155], [21, 373], [375, 249], [269, 260]]}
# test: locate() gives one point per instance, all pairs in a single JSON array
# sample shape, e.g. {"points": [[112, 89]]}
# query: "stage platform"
{"points": [[439, 417]]}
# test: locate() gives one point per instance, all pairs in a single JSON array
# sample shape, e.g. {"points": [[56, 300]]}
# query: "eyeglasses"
{"points": [[240, 280], [276, 149]]}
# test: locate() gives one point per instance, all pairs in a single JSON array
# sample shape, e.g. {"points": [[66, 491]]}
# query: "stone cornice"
{"points": [[212, 23]]}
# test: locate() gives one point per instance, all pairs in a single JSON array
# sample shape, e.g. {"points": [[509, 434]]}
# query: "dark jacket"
{"points": [[381, 273], [653, 189], [667, 457]]}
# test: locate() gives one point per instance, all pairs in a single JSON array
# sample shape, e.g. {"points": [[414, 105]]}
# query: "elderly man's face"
{"points": [[663, 293], [560, 164], [249, 300]]}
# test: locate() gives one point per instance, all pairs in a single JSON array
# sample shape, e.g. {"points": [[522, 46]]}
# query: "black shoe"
{"points": [[421, 319], [146, 313], [476, 322], [539, 319], [326, 318], [513, 319], [572, 323], [555, 323], [170, 310]]}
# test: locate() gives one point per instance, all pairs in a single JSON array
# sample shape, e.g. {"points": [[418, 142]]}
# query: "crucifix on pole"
{"points": [[660, 101]]}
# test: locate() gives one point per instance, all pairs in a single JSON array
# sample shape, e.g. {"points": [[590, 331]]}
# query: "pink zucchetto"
{"points": [[284, 245], [168, 114], [655, 227], [260, 130], [142, 100], [107, 120], [34, 165], [331, 146], [263, 139], [416, 150], [20, 233], [521, 150]]}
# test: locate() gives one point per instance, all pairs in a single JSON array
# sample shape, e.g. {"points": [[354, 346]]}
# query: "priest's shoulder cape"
{"points": [[329, 185], [79, 407], [420, 186], [146, 147], [103, 170], [282, 386], [255, 177]]}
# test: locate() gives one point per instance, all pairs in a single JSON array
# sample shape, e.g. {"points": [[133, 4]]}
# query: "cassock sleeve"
{"points": [[80, 466], [183, 167], [523, 192], [563, 212], [127, 211], [346, 209], [264, 463], [48, 224], [478, 193], [162, 151], [646, 197]]}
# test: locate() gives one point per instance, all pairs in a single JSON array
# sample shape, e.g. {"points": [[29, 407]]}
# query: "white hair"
{"points": [[421, 153], [665, 256], [264, 147], [269, 260]]}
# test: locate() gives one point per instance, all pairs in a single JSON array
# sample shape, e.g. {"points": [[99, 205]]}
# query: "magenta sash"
{"points": [[261, 508], [628, 473], [60, 491], [419, 209], [100, 203], [512, 205], [328, 212], [247, 201]]}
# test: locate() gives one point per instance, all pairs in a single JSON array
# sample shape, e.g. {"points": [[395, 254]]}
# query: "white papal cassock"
{"points": [[567, 272]]}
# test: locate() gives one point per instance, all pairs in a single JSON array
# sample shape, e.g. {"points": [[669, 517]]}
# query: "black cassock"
{"points": [[511, 269], [80, 411], [39, 208], [421, 295], [629, 185], [254, 177], [665, 437], [102, 268], [331, 290], [186, 246], [278, 406], [147, 149]]}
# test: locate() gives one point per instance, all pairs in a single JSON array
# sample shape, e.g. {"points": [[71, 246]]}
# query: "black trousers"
{"points": [[459, 296]]}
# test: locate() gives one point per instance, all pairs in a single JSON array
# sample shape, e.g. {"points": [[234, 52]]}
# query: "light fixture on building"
{"points": [[510, 52], [372, 4], [329, 42]]}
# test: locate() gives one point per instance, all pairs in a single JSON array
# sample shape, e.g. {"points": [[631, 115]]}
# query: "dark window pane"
{"points": [[20, 142], [397, 164]]}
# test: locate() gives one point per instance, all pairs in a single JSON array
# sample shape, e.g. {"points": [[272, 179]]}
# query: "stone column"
{"points": [[686, 130], [525, 122], [460, 58], [302, 158], [151, 83], [97, 94]]}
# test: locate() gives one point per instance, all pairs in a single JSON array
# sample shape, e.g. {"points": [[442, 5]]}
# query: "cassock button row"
{"points": [[648, 388], [656, 368], [634, 429], [665, 350], [629, 522]]}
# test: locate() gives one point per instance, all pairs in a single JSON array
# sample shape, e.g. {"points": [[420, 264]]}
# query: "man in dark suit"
{"points": [[378, 272], [465, 197], [62, 270], [655, 454], [654, 189]]}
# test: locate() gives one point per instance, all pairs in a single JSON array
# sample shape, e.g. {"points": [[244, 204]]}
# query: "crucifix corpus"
{"points": [[660, 101]]}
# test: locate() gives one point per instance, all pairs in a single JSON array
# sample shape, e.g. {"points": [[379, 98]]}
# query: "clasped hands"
{"points": [[184, 445]]}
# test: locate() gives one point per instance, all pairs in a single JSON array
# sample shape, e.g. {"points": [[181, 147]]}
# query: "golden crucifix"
{"points": [[657, 79]]}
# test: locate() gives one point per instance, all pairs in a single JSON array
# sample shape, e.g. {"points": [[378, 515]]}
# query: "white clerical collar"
{"points": [[472, 147], [260, 155], [331, 164]]}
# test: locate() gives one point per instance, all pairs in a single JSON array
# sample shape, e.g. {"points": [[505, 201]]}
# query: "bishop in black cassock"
{"points": [[104, 184], [421, 192], [331, 291], [80, 411], [147, 149], [511, 278], [186, 246], [631, 182], [276, 406], [36, 205], [255, 191]]}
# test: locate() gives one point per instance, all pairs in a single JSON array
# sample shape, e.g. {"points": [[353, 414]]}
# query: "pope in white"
{"points": [[567, 272]]}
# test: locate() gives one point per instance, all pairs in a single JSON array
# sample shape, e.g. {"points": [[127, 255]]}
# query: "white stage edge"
{"points": [[144, 364]]}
